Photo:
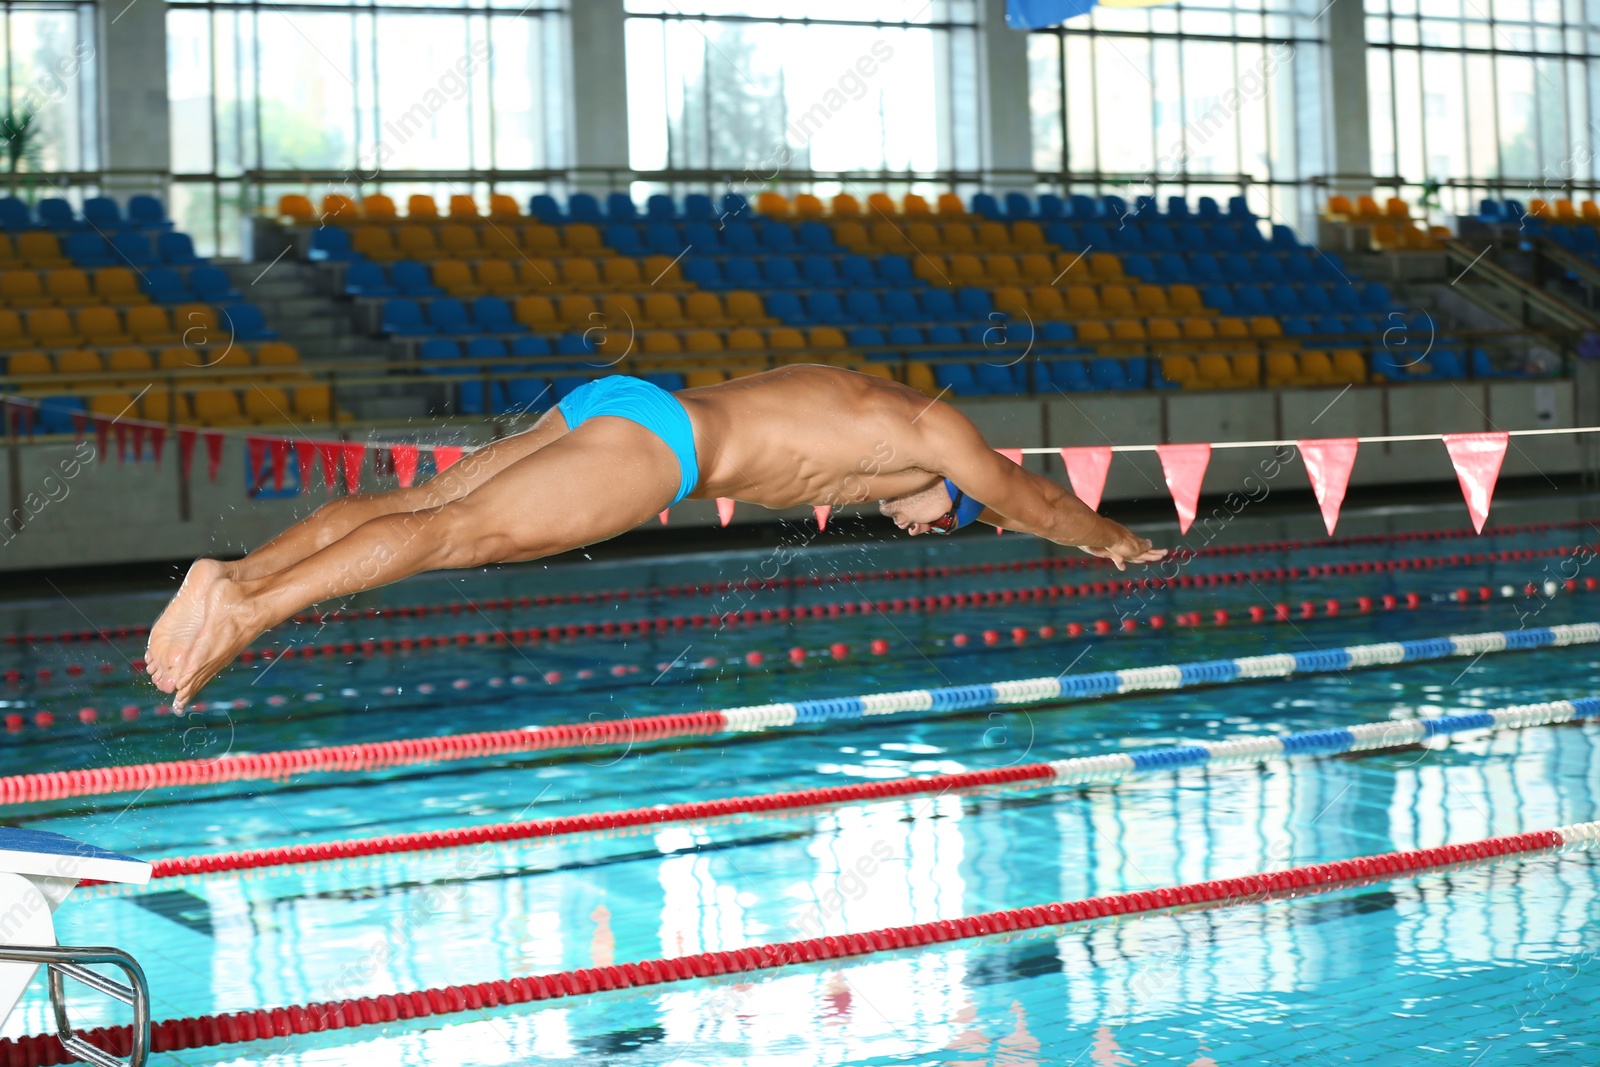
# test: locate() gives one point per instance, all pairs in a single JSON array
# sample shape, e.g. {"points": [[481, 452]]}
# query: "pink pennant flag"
{"points": [[328, 452], [80, 423], [278, 449], [305, 459], [1477, 458], [355, 454], [255, 450], [822, 511], [405, 464], [663, 517], [1013, 454], [1086, 470], [1185, 468], [102, 431], [724, 510], [186, 439], [445, 455], [214, 443], [1328, 461]]}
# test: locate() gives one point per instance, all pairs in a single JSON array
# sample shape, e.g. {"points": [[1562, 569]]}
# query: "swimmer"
{"points": [[613, 454]]}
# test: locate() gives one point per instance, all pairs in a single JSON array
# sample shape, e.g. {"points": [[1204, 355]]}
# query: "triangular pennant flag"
{"points": [[255, 449], [1328, 461], [102, 430], [663, 517], [1086, 470], [80, 423], [382, 461], [121, 431], [136, 433], [214, 443], [355, 454], [1013, 454], [822, 511], [329, 452], [405, 464], [445, 455], [1477, 458], [278, 447], [724, 510], [1185, 468], [186, 439], [305, 460], [158, 440]]}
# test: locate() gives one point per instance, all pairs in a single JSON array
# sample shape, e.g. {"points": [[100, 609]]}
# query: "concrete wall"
{"points": [[107, 512]]}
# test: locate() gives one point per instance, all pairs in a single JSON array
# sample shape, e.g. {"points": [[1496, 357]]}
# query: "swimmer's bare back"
{"points": [[797, 435]]}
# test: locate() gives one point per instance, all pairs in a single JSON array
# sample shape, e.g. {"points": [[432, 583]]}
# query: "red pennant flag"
{"points": [[278, 447], [1185, 468], [1086, 470], [186, 439], [445, 455], [355, 454], [80, 423], [1013, 454], [1477, 458], [663, 517], [329, 451], [1328, 462], [158, 440], [822, 511], [121, 431], [136, 433], [405, 464], [102, 429], [255, 451], [724, 510], [214, 443], [305, 460]]}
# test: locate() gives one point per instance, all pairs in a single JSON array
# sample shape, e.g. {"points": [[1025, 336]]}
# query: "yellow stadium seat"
{"points": [[68, 287], [419, 206], [620, 310], [417, 242], [1565, 211], [950, 205], [578, 311], [51, 327], [463, 207], [497, 276], [1591, 211], [699, 379], [621, 272], [23, 289], [455, 278], [963, 270], [101, 326], [1339, 207], [1072, 268], [1093, 332], [932, 269], [1106, 266], [577, 273], [1184, 300], [746, 341], [536, 273], [581, 239], [1349, 366], [1198, 329], [196, 324], [888, 237], [503, 208], [1037, 268], [229, 361], [746, 309], [773, 204], [786, 339], [1397, 208], [218, 407], [912, 204], [808, 207], [852, 236], [881, 204], [1150, 299], [296, 207], [179, 359], [825, 338], [1282, 369], [958, 237], [920, 377], [1009, 301], [541, 240], [874, 370], [378, 208], [1028, 236], [1367, 208], [845, 206], [134, 362], [118, 285], [460, 242], [660, 343], [277, 354], [338, 208], [1213, 371], [537, 313], [1263, 327], [41, 251], [8, 254], [31, 362], [312, 403], [111, 405], [374, 242], [1117, 300], [663, 310], [266, 404], [664, 272], [1178, 369], [703, 341], [1046, 303], [1316, 368], [1128, 330], [1083, 301], [1163, 330], [11, 335], [1002, 269], [149, 325], [159, 405], [1246, 369], [79, 361]]}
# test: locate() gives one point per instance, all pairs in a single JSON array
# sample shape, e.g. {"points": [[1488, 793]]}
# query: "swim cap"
{"points": [[963, 508]]}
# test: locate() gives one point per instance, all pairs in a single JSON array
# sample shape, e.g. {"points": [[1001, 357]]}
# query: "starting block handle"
{"points": [[65, 962]]}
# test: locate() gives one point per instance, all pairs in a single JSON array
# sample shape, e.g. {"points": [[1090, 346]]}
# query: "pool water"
{"points": [[1491, 964]]}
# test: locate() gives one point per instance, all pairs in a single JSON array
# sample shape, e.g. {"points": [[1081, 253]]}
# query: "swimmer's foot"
{"points": [[180, 623], [226, 624]]}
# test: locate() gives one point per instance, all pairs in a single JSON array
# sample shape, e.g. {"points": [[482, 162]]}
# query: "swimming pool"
{"points": [[1489, 961]]}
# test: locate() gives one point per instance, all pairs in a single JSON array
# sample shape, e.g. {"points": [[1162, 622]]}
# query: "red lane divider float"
{"points": [[1183, 554], [1297, 882]]}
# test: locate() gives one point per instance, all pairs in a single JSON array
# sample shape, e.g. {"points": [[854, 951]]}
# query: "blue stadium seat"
{"points": [[102, 213], [493, 315], [956, 377], [574, 344], [1283, 237], [779, 272], [1069, 376], [900, 306], [697, 207], [908, 337], [663, 238], [448, 315], [1145, 207], [245, 323], [621, 208], [166, 286], [438, 349], [1081, 207], [702, 237], [974, 302], [89, 249], [56, 214], [735, 206], [1297, 267], [941, 334], [862, 337], [1361, 324], [857, 270], [740, 237], [469, 392], [1296, 326], [1107, 374], [1092, 233], [177, 250], [1136, 372], [1193, 238], [1139, 265], [1246, 235], [660, 208], [1375, 296], [413, 279], [985, 206], [528, 394], [582, 207], [1207, 209], [1237, 267], [543, 207], [1128, 237], [1314, 299], [1018, 206], [785, 307], [1062, 234], [1170, 269], [702, 272], [777, 237], [329, 244], [820, 270], [1219, 298], [1224, 239], [895, 271], [624, 240], [1239, 208], [212, 285], [938, 306], [1346, 299], [1051, 206], [998, 380], [1447, 364], [14, 214], [403, 318], [1160, 237], [863, 305], [816, 236], [1113, 206], [1177, 207], [823, 308], [1056, 336], [133, 248], [55, 414], [530, 346], [1329, 326], [1250, 300], [1283, 300], [740, 272]]}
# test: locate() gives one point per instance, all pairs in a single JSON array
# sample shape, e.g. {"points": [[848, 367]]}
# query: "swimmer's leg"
{"points": [[607, 477]]}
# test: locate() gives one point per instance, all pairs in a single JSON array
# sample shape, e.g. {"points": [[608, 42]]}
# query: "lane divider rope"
{"points": [[1077, 771], [366, 756], [1293, 883]]}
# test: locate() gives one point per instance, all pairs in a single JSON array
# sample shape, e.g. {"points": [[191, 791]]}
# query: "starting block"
{"points": [[38, 870]]}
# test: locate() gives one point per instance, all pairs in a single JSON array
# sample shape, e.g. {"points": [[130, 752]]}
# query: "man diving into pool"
{"points": [[611, 455]]}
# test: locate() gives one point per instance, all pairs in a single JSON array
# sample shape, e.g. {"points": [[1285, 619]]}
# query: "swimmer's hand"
{"points": [[1128, 548]]}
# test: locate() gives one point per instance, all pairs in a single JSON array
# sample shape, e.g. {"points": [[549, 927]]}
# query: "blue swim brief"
{"points": [[640, 402]]}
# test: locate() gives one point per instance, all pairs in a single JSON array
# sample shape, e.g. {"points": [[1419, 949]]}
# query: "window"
{"points": [[855, 86], [1475, 98], [1187, 99], [352, 93], [50, 84]]}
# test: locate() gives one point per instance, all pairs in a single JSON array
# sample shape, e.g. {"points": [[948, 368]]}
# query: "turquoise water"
{"points": [[1489, 965]]}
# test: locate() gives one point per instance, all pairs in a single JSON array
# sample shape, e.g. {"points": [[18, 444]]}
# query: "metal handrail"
{"points": [[64, 962]]}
